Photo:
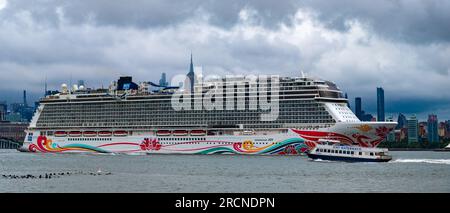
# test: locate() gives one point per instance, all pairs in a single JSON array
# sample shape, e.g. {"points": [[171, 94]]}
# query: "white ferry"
{"points": [[335, 151]]}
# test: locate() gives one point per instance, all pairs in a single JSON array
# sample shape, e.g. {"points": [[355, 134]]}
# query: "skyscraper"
{"points": [[432, 129], [358, 108], [447, 127], [163, 81], [45, 87], [191, 76], [25, 104], [380, 104], [401, 121], [348, 103], [413, 128], [391, 136]]}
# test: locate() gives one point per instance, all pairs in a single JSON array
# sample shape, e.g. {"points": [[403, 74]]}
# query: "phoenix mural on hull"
{"points": [[291, 146]]}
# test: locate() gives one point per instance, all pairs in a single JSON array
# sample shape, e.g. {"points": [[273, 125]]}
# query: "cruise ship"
{"points": [[271, 116]]}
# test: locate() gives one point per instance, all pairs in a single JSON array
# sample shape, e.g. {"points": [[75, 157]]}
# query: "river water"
{"points": [[409, 171]]}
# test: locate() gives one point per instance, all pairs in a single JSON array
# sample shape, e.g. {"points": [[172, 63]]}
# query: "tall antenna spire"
{"points": [[45, 86], [191, 75], [70, 85]]}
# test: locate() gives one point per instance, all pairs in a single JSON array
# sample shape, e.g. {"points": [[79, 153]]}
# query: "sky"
{"points": [[400, 45]]}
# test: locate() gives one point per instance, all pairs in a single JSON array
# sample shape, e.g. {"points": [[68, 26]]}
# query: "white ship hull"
{"points": [[293, 141]]}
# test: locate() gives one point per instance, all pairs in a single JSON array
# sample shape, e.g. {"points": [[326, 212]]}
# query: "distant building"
{"points": [[380, 104], [13, 131], [391, 136], [442, 129], [20, 113], [191, 77], [25, 103], [422, 131], [433, 136], [367, 117], [390, 119], [361, 114], [348, 103], [447, 127], [13, 117], [358, 107], [3, 111], [403, 134], [163, 81], [413, 126], [401, 121], [16, 107]]}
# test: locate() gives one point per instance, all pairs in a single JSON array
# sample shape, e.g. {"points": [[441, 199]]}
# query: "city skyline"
{"points": [[352, 45]]}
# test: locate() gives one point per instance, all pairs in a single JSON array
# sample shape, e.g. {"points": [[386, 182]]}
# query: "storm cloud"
{"points": [[401, 45]]}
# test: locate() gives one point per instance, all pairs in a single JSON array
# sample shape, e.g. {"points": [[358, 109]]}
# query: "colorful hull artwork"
{"points": [[292, 146], [292, 143]]}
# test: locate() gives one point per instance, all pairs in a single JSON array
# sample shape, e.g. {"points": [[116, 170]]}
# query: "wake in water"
{"points": [[323, 161], [434, 161]]}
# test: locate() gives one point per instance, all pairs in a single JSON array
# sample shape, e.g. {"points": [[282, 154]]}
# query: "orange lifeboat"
{"points": [[104, 134], [198, 132], [89, 134], [163, 132], [120, 133], [60, 134], [180, 132], [75, 134]]}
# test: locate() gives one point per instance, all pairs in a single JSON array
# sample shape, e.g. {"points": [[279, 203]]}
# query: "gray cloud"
{"points": [[400, 45], [420, 21]]}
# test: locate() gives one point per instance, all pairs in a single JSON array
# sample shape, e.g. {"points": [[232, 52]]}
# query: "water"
{"points": [[408, 172]]}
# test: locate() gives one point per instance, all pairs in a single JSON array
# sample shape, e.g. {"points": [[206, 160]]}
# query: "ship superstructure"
{"points": [[242, 115]]}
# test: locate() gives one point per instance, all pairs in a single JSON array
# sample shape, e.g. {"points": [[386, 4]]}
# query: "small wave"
{"points": [[320, 160], [434, 161]]}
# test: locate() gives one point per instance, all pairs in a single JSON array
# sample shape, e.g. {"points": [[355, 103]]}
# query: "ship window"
{"points": [[360, 153], [371, 154]]}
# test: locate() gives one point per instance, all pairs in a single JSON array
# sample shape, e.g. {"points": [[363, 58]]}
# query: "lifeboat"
{"points": [[104, 134], [163, 132], [180, 132], [198, 132], [75, 134], [90, 134], [60, 134], [120, 133]]}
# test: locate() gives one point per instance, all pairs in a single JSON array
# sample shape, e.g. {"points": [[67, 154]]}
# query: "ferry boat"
{"points": [[131, 117], [335, 151]]}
